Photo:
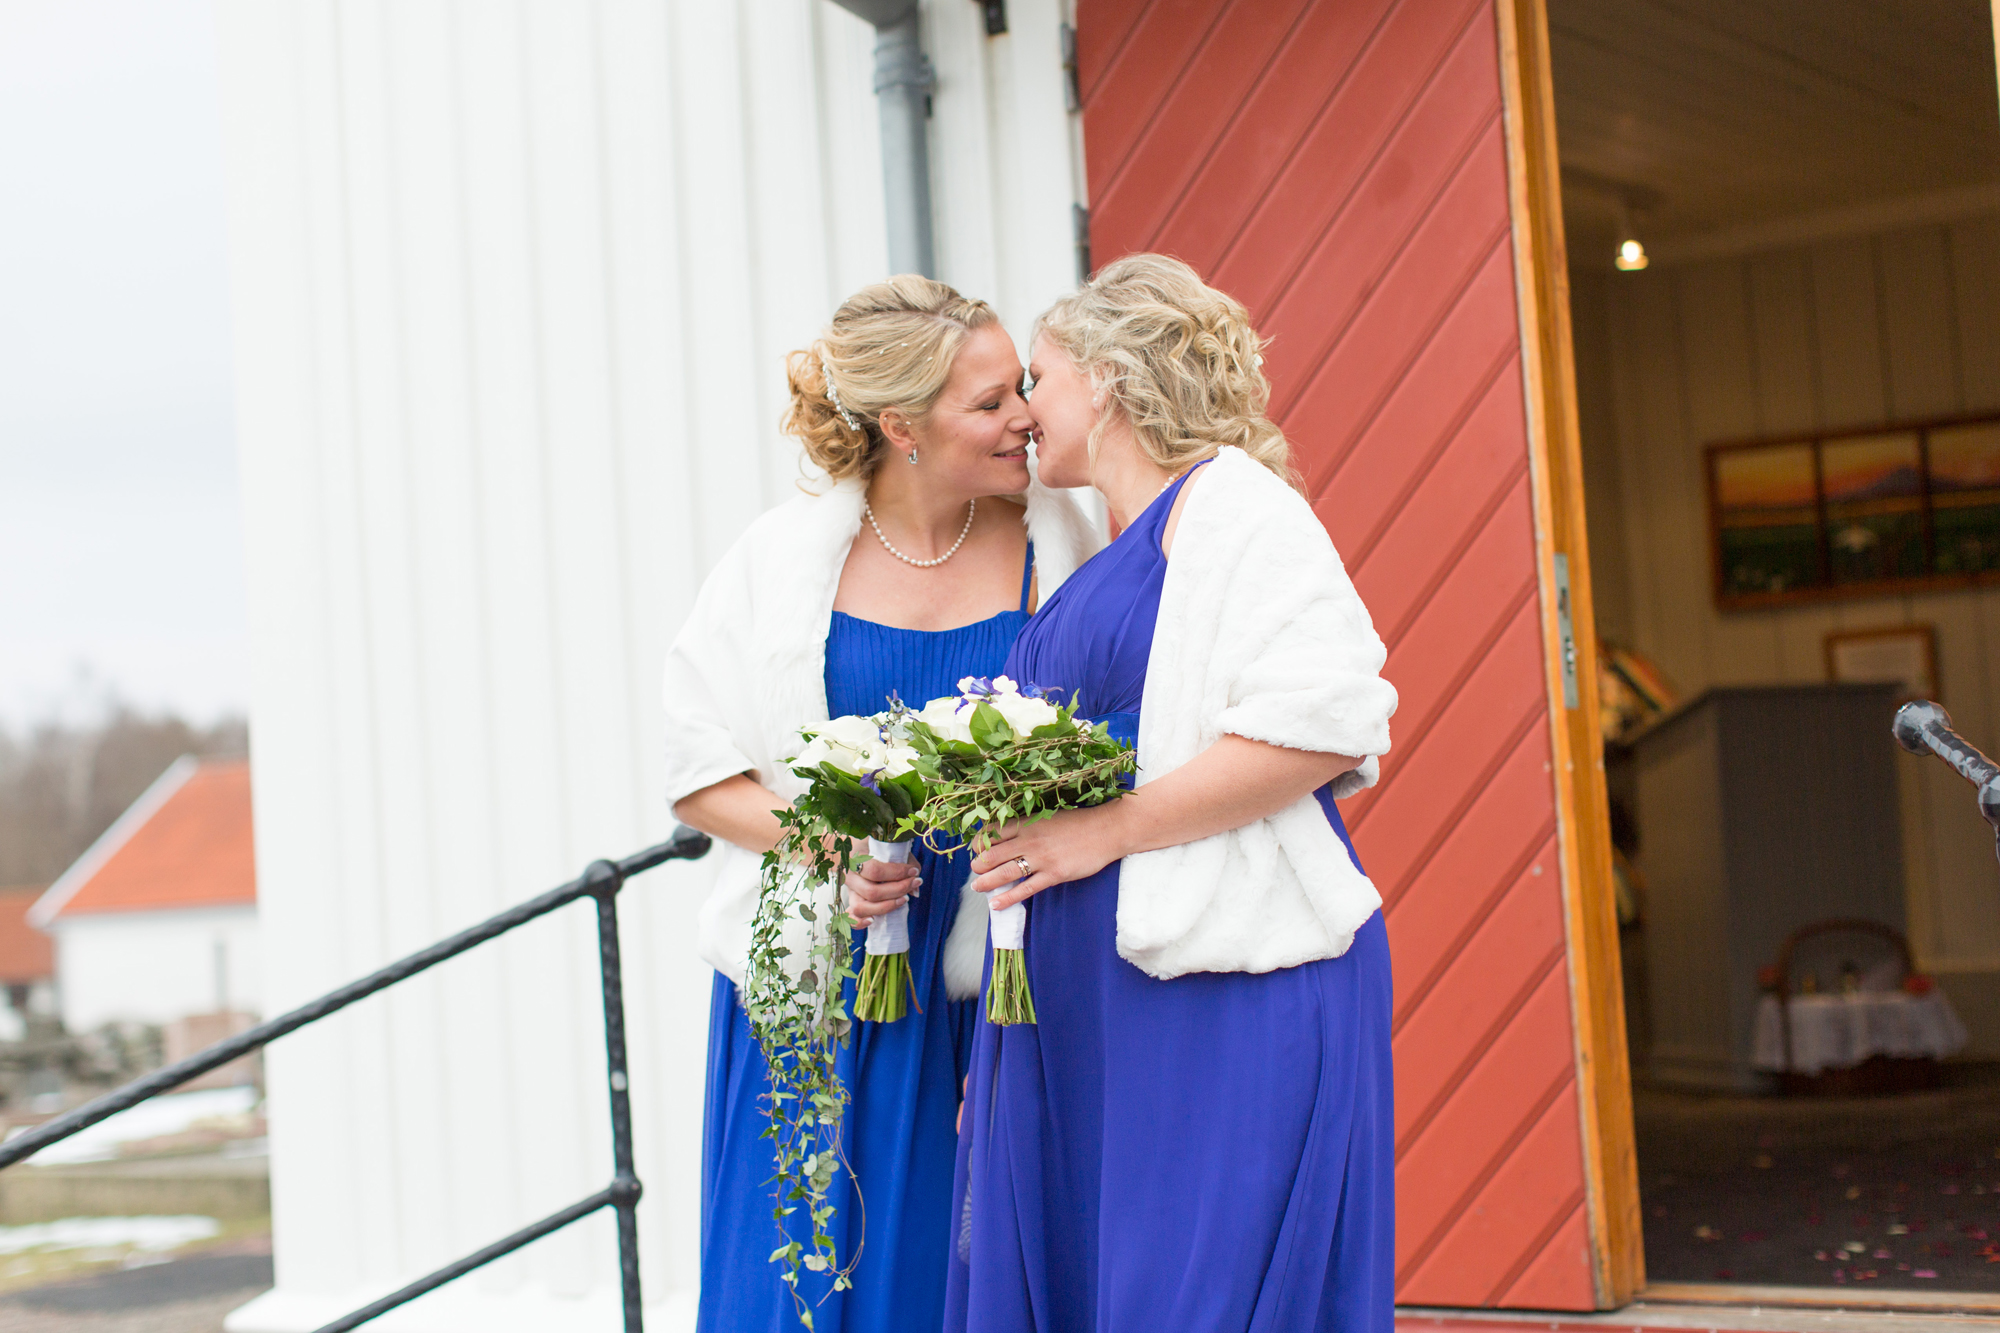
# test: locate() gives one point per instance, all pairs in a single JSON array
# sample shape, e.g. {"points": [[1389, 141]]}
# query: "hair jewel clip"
{"points": [[833, 396]]}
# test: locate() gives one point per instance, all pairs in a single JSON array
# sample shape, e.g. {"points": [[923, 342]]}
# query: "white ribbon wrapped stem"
{"points": [[890, 932], [1010, 926]]}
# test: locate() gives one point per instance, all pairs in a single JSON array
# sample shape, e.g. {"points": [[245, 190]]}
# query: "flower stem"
{"points": [[1008, 999], [882, 995]]}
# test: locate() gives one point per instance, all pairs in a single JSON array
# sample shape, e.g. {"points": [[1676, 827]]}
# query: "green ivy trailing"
{"points": [[799, 1017], [797, 1007]]}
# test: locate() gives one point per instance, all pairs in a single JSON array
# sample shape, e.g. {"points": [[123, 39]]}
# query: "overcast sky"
{"points": [[120, 545]]}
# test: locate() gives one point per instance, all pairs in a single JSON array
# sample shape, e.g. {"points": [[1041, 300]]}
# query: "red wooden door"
{"points": [[1343, 167]]}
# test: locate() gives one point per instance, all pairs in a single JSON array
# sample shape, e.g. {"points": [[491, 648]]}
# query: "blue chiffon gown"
{"points": [[1211, 1154], [903, 1078]]}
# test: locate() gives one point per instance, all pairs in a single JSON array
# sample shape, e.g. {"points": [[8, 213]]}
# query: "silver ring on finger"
{"points": [[1022, 862]]}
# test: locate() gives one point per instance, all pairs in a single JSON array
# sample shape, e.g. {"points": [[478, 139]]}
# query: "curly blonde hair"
{"points": [[890, 346], [1179, 358]]}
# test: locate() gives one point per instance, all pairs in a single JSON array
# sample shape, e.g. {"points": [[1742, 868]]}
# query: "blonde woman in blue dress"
{"points": [[1197, 1133], [916, 566]]}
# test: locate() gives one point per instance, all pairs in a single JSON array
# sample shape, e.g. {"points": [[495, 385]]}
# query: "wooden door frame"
{"points": [[1548, 368]]}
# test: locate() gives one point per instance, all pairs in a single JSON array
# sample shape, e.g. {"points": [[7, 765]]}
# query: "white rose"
{"points": [[1005, 685], [896, 760], [850, 740], [855, 733], [816, 753], [1024, 714], [950, 718]]}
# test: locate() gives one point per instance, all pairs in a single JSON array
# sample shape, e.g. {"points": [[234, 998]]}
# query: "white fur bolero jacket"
{"points": [[1260, 634], [748, 669]]}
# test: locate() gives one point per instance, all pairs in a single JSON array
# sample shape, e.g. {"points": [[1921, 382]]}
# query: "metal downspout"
{"points": [[903, 82]]}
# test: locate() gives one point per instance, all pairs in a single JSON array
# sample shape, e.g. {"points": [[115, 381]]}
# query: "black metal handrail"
{"points": [[601, 880], [1924, 726]]}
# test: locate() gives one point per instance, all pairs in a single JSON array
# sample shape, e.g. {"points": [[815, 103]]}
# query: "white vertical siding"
{"points": [[1001, 157], [513, 285], [1847, 332]]}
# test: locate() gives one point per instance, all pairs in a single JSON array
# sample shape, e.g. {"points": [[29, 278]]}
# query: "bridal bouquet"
{"points": [[861, 782], [994, 753], [864, 776], [974, 760]]}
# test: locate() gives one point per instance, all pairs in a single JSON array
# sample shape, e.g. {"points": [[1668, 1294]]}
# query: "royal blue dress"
{"points": [[903, 1078], [1211, 1153]]}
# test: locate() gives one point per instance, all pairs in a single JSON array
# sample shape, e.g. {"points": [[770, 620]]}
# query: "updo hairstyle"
{"points": [[890, 345], [1179, 359]]}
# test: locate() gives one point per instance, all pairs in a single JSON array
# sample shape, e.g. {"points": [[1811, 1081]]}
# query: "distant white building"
{"points": [[158, 920]]}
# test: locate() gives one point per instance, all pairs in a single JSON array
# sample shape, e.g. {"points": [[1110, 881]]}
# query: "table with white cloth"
{"points": [[1843, 1030]]}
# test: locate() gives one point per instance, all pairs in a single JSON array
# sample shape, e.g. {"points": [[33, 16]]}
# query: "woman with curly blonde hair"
{"points": [[915, 565], [1197, 1130]]}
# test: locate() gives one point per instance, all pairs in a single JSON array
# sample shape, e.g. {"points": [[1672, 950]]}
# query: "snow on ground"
{"points": [[146, 1234], [148, 1120]]}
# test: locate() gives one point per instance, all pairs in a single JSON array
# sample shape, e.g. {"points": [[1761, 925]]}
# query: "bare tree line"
{"points": [[62, 784]]}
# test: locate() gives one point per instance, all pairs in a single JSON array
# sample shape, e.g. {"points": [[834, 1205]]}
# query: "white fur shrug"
{"points": [[1260, 634], [748, 669]]}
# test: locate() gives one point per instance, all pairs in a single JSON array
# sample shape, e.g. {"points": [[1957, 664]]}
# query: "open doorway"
{"points": [[1783, 223]]}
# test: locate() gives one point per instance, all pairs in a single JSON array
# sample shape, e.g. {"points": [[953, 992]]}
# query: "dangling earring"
{"points": [[912, 456]]}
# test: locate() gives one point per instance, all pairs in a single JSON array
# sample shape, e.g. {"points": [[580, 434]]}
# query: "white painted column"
{"points": [[514, 281]]}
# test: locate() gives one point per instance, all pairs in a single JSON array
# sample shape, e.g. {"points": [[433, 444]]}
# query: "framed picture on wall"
{"points": [[1903, 654], [1855, 513]]}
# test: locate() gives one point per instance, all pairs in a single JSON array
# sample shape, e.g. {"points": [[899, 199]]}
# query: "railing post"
{"points": [[604, 880]]}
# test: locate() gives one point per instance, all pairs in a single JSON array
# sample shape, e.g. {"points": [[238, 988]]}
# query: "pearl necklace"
{"points": [[971, 508]]}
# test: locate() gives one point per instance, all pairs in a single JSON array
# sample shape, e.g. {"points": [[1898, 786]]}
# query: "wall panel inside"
{"points": [[1857, 331]]}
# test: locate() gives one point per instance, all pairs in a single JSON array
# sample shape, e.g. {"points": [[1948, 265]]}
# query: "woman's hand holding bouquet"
{"points": [[863, 775]]}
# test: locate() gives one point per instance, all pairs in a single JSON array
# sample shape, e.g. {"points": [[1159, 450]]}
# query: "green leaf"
{"points": [[898, 799], [989, 728]]}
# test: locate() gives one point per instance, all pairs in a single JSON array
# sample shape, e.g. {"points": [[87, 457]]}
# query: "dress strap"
{"points": [[1027, 575], [1181, 480]]}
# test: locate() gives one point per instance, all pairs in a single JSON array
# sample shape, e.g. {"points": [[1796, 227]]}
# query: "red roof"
{"points": [[26, 955], [185, 843]]}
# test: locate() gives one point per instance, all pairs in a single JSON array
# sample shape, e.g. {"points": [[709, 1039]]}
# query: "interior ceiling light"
{"points": [[1631, 255]]}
